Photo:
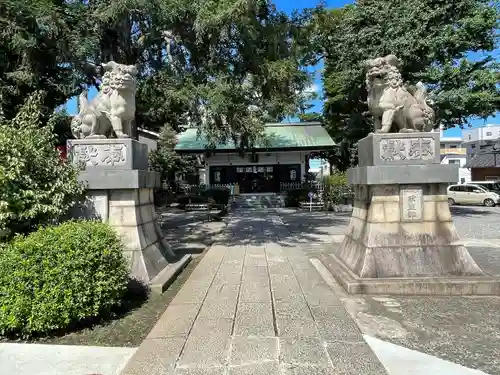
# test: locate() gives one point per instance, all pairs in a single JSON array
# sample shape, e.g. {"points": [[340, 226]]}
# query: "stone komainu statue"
{"points": [[113, 109], [394, 109]]}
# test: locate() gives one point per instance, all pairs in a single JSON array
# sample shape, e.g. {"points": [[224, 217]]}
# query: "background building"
{"points": [[453, 152], [281, 158], [474, 139]]}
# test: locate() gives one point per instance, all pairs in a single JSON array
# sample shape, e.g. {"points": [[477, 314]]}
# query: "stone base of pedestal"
{"points": [[404, 231], [123, 197], [423, 286], [401, 238]]}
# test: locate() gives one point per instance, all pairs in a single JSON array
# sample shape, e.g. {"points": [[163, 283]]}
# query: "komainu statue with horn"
{"points": [[393, 107]]}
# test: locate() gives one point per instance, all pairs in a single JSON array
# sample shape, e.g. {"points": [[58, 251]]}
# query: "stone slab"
{"points": [[303, 351], [445, 286], [205, 351], [293, 307], [255, 274], [208, 344], [309, 370], [110, 153], [255, 292], [221, 308], [167, 276], [176, 321], [322, 295], [334, 324], [254, 319], [246, 350], [399, 149], [107, 179], [201, 371], [45, 359], [155, 357], [403, 174], [296, 326], [222, 292], [366, 363], [214, 326], [266, 368]]}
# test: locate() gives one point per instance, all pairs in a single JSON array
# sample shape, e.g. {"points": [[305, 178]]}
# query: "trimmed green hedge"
{"points": [[59, 276]]}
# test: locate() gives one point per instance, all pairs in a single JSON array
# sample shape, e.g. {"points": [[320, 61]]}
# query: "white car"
{"points": [[472, 194], [488, 185]]}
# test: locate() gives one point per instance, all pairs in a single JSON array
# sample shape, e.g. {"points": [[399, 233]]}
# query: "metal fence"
{"points": [[322, 191]]}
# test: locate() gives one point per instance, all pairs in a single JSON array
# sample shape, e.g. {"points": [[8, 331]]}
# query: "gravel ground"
{"points": [[477, 222]]}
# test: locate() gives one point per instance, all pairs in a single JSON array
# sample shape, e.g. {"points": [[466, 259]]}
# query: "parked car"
{"points": [[472, 194], [490, 185]]}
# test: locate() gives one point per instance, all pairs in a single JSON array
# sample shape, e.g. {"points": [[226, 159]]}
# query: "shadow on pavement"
{"points": [[189, 232], [290, 228], [471, 211]]}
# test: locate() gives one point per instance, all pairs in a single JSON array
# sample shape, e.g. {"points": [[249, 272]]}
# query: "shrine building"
{"points": [[282, 158]]}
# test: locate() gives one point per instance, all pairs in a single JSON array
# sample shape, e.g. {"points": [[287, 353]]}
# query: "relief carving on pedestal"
{"points": [[407, 149], [411, 204], [95, 155]]}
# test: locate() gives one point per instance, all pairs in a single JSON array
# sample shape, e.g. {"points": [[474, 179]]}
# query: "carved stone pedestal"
{"points": [[120, 192], [401, 238]]}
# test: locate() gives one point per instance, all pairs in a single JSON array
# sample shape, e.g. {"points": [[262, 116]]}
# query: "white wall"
{"points": [[452, 159], [464, 174], [488, 132]]}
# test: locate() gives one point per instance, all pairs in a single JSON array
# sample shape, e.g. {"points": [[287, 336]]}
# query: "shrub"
{"points": [[337, 189], [295, 196], [37, 187], [191, 198], [219, 195], [59, 276]]}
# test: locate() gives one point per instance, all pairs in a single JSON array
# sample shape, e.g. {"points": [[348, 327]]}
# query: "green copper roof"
{"points": [[276, 136]]}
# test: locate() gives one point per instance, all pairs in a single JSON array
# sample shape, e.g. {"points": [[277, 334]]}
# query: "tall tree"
{"points": [[168, 162], [223, 66], [43, 45], [432, 38]]}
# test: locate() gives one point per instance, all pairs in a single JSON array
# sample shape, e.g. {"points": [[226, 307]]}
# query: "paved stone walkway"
{"points": [[255, 305]]}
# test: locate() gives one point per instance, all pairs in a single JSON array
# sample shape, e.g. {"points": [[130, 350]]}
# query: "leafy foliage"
{"points": [[337, 189], [168, 162], [223, 66], [431, 38], [219, 195], [59, 276], [295, 196], [215, 196], [43, 46], [36, 186]]}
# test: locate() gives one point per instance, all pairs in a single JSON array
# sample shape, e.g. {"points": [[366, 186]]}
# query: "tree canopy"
{"points": [[43, 45], [228, 66], [224, 66], [432, 38], [168, 162]]}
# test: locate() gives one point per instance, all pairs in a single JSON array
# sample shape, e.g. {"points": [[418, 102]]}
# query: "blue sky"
{"points": [[289, 6]]}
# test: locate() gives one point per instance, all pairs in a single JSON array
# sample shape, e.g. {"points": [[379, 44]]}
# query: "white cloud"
{"points": [[312, 88]]}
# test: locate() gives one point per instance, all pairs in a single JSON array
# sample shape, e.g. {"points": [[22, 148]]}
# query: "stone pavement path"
{"points": [[255, 305]]}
